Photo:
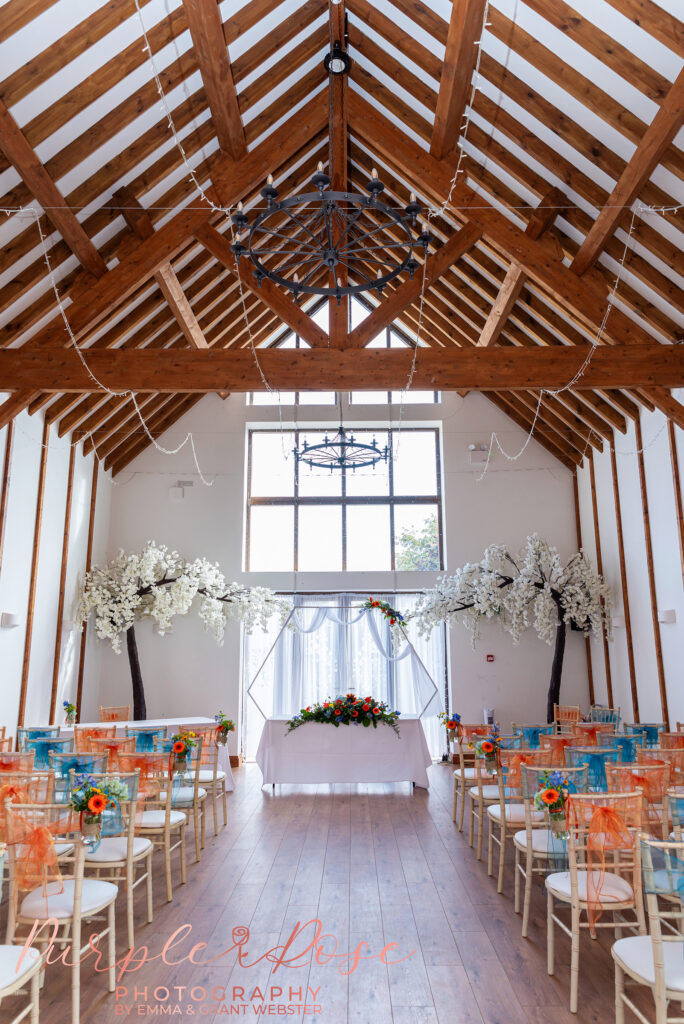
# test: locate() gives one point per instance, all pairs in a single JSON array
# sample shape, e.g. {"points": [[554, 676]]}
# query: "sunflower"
{"points": [[97, 803], [487, 747], [550, 796], [179, 747]]}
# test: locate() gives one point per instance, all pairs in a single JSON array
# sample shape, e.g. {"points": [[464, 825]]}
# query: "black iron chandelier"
{"points": [[342, 451], [329, 243]]}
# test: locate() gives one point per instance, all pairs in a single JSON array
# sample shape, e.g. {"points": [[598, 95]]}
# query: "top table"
{"points": [[171, 724], [317, 752]]}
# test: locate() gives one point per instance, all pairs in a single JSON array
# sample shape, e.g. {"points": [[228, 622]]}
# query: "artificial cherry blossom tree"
{"points": [[159, 584], [533, 589]]}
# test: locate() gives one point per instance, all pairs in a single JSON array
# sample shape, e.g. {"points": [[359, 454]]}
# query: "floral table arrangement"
{"points": [[69, 712], [488, 748], [91, 799], [552, 796], [224, 725], [348, 710]]}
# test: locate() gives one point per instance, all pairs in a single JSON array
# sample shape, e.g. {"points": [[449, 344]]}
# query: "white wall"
{"points": [[185, 672], [16, 571], [666, 561]]}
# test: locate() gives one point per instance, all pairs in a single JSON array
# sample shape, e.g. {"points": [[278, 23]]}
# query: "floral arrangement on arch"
{"points": [[532, 589], [348, 710], [391, 614]]}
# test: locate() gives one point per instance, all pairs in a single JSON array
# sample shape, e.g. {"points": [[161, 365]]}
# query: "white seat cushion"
{"points": [[541, 841], [10, 968], [185, 795], [64, 849], [156, 819], [207, 775], [514, 813], [614, 888], [466, 773], [95, 895], [489, 792], [636, 954], [113, 849]]}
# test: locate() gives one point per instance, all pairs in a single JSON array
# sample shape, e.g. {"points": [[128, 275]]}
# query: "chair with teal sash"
{"points": [[34, 732], [598, 713], [145, 736], [649, 731], [595, 758], [62, 763], [531, 733], [45, 745], [628, 745]]}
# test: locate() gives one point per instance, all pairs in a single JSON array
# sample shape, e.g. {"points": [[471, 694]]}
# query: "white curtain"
{"points": [[338, 647]]}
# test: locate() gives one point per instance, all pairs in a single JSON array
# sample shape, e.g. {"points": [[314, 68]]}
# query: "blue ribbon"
{"points": [[144, 739], [532, 734], [597, 771], [627, 745], [651, 735]]}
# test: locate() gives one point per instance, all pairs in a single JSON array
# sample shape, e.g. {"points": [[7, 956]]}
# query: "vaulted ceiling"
{"points": [[575, 119]]}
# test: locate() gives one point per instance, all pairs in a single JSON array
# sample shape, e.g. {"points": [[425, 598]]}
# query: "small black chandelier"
{"points": [[342, 451]]}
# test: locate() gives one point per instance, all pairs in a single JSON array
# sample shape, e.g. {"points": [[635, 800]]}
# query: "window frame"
{"points": [[344, 500]]}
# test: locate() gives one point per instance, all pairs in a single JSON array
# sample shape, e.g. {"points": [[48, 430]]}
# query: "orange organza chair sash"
{"points": [[114, 747], [83, 737], [150, 766], [653, 781], [466, 732], [511, 760], [21, 762], [608, 830], [557, 744], [674, 756], [37, 863], [672, 740]]}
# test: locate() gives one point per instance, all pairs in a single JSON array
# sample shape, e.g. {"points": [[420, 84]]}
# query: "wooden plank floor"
{"points": [[376, 864]]}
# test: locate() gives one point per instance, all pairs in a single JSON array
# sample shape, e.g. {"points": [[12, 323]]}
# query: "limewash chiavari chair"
{"points": [[83, 734], [654, 781], [211, 777], [598, 713], [119, 854], [629, 746], [466, 772], [485, 791], [33, 732], [19, 969], [671, 740], [674, 756], [112, 748], [536, 843], [69, 899], [600, 825], [17, 761], [189, 794], [557, 744], [508, 813], [156, 819], [566, 716], [121, 713], [145, 736], [596, 759], [675, 806], [80, 762], [591, 733], [531, 734], [649, 731], [44, 745], [657, 959], [6, 744]]}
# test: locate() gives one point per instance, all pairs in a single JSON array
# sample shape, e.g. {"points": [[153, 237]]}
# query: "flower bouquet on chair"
{"points": [[69, 712], [181, 745], [451, 723], [223, 727], [552, 797], [488, 748], [98, 805]]}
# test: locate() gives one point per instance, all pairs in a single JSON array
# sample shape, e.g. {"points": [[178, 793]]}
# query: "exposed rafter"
{"points": [[465, 27]]}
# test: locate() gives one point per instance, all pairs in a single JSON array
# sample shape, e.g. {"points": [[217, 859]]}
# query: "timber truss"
{"points": [[516, 284]]}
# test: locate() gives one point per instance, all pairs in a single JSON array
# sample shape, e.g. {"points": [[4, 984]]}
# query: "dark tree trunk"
{"points": [[556, 667], [139, 708]]}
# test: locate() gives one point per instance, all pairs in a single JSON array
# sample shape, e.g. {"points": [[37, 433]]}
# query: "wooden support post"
{"points": [[676, 481], [62, 583], [4, 487], [587, 641], [88, 561], [651, 576], [30, 611], [625, 588], [599, 566]]}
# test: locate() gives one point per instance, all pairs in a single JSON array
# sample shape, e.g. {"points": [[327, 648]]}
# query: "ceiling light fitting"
{"points": [[342, 451]]}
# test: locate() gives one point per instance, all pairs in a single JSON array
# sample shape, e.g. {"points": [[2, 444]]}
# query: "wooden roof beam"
{"points": [[206, 29], [646, 157], [174, 370], [465, 28], [19, 153]]}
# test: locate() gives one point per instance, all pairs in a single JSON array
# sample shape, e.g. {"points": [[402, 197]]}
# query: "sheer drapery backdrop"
{"points": [[338, 648]]}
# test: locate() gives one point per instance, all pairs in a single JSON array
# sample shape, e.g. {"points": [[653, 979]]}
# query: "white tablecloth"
{"points": [[317, 752], [171, 726]]}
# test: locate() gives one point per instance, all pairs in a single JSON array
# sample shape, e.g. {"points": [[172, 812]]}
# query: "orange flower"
{"points": [[178, 747], [487, 747], [355, 714], [550, 796], [337, 711], [97, 803]]}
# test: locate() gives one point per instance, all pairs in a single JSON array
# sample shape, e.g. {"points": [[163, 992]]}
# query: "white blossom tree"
{"points": [[533, 589], [159, 584]]}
